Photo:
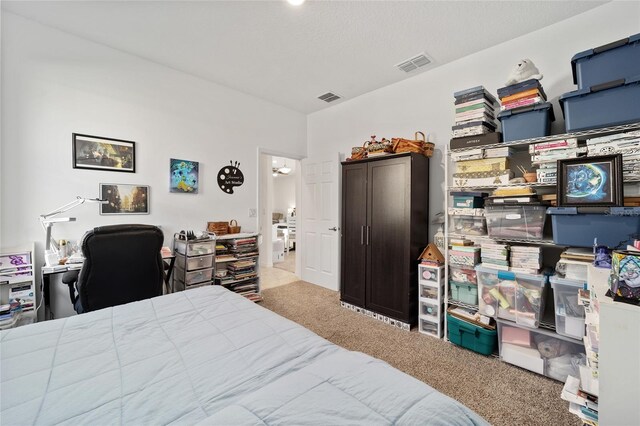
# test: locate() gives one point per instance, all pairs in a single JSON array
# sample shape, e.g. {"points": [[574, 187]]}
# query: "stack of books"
{"points": [[495, 256], [526, 259], [627, 144], [546, 154], [475, 112], [243, 247], [521, 95]]}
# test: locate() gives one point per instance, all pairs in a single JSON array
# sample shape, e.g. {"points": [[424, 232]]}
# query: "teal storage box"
{"points": [[471, 336], [527, 122], [620, 59], [468, 202], [578, 227], [464, 292], [607, 104]]}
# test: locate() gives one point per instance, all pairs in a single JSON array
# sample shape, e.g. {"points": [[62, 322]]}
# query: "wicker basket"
{"points": [[420, 146], [233, 227], [218, 228]]}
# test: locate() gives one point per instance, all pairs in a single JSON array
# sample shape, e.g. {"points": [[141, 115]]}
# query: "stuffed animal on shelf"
{"points": [[523, 71]]}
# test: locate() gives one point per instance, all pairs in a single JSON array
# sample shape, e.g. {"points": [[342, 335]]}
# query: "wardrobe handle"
{"points": [[362, 235], [368, 234]]}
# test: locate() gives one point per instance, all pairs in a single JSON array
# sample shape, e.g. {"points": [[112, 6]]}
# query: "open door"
{"points": [[319, 214]]}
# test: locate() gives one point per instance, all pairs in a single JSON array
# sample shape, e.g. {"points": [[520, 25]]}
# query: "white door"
{"points": [[320, 262]]}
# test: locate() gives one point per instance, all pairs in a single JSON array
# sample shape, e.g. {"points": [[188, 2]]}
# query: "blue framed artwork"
{"points": [[184, 176], [590, 181]]}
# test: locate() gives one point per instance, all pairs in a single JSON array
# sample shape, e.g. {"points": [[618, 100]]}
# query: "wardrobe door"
{"points": [[352, 234], [388, 220]]}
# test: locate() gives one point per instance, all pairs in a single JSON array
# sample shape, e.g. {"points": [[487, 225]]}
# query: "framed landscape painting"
{"points": [[98, 153], [590, 181], [124, 199]]}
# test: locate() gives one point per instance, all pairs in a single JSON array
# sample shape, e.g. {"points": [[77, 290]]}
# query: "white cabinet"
{"points": [[430, 299]]}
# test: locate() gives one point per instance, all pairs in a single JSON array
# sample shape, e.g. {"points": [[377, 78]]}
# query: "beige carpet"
{"points": [[501, 393]]}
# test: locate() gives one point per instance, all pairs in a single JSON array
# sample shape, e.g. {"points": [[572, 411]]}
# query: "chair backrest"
{"points": [[122, 264]]}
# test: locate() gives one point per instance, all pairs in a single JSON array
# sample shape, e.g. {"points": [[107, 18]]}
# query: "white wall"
{"points": [[425, 102], [284, 193], [55, 84]]}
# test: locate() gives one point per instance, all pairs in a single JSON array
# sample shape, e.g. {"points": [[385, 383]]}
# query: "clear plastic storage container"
{"points": [[465, 293], [468, 225], [192, 263], [195, 248], [516, 221], [569, 315], [194, 277]]}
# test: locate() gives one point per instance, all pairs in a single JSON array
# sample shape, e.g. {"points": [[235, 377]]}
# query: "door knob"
{"points": [[333, 229]]}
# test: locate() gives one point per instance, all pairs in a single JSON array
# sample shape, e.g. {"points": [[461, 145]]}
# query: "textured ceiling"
{"points": [[290, 55]]}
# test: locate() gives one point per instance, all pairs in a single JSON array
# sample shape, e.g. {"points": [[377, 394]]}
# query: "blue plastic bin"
{"points": [[613, 61], [471, 336], [528, 122], [613, 226], [604, 105]]}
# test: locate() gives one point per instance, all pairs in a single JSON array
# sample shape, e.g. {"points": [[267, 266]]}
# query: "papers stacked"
{"points": [[475, 112], [526, 259]]}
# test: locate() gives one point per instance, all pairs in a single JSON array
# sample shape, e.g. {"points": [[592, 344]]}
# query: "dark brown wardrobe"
{"points": [[385, 217]]}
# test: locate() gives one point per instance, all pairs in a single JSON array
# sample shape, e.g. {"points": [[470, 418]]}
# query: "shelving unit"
{"points": [[18, 287], [520, 149], [430, 300], [194, 265], [237, 266]]}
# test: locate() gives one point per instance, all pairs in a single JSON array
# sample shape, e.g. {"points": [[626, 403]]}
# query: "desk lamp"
{"points": [[47, 220]]}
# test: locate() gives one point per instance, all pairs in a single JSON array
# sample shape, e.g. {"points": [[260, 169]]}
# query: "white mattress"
{"points": [[205, 356]]}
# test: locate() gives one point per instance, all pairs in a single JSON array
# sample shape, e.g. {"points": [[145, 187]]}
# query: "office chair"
{"points": [[122, 264]]}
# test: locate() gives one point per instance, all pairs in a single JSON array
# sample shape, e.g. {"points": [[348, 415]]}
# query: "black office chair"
{"points": [[122, 264]]}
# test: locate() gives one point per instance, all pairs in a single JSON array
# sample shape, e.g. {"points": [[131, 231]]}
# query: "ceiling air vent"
{"points": [[414, 63], [328, 97]]}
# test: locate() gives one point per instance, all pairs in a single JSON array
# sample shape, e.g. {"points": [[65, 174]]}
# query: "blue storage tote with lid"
{"points": [[608, 104], [617, 60], [578, 227], [471, 336], [532, 121]]}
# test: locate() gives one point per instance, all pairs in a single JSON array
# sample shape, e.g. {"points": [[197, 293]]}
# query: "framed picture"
{"points": [[124, 199], [98, 153], [184, 176], [590, 181]]}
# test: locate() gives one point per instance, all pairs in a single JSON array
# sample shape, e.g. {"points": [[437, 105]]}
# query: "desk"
{"points": [[46, 273]]}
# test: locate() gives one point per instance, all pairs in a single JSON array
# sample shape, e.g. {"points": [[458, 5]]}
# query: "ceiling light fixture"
{"points": [[285, 170], [295, 2]]}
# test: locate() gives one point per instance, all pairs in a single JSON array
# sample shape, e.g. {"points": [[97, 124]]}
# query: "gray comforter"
{"points": [[203, 356]]}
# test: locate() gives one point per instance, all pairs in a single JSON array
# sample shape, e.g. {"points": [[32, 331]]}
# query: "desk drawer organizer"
{"points": [[617, 60], [540, 351], [192, 263], [516, 221], [603, 105], [569, 315], [511, 295]]}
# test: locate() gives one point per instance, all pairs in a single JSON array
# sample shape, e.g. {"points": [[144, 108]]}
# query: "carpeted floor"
{"points": [[501, 393]]}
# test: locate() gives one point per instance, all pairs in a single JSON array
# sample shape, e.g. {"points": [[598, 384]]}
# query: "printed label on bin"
{"points": [[506, 275], [513, 216]]}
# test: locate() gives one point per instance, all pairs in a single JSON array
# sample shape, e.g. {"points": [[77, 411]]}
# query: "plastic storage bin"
{"points": [[603, 105], [429, 311], [540, 351], [469, 225], [528, 122], [516, 221], [195, 248], [569, 315], [463, 275], [428, 291], [198, 262], [611, 226], [511, 295], [620, 59], [465, 293], [194, 277], [471, 336]]}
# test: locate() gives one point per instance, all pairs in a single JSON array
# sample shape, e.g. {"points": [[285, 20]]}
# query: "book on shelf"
{"points": [[550, 146], [521, 103]]}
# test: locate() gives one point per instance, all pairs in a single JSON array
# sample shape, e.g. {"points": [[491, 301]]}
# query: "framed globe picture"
{"points": [[590, 181]]}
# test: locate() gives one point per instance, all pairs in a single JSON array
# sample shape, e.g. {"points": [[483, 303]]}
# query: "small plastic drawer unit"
{"points": [[471, 336], [430, 299], [541, 351], [195, 248], [528, 122], [569, 314], [617, 60], [611, 226], [511, 295], [193, 263], [194, 277], [516, 221]]}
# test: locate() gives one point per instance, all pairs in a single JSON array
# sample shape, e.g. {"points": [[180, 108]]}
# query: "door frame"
{"points": [[266, 236]]}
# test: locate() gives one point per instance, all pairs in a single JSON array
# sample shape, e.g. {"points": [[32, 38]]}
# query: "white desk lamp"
{"points": [[47, 220]]}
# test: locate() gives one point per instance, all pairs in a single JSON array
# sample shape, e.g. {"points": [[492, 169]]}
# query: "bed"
{"points": [[203, 356]]}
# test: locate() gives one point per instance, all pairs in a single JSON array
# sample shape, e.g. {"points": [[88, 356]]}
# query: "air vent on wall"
{"points": [[328, 97], [414, 63]]}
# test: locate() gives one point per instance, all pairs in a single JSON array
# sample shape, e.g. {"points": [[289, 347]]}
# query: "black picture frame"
{"points": [[124, 199], [590, 181], [100, 153]]}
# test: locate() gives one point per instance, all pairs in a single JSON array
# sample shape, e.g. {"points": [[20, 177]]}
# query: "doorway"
{"points": [[279, 188]]}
